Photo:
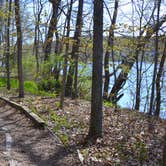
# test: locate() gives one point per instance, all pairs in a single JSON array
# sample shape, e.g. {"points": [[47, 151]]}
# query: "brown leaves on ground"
{"points": [[129, 138]]}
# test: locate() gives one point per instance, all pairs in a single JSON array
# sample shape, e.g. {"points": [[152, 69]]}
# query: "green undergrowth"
{"points": [[30, 87], [108, 104], [138, 149], [61, 126], [35, 111]]}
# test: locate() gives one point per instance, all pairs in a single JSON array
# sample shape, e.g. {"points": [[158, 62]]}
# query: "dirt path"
{"points": [[21, 144]]}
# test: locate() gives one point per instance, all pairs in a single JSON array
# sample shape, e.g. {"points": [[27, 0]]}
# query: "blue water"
{"points": [[128, 100]]}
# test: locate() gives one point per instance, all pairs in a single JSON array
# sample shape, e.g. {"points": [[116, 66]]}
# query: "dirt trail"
{"points": [[21, 144]]}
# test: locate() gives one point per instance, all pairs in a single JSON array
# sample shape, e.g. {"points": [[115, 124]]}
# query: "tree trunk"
{"points": [[58, 50], [158, 82], [164, 152], [151, 109], [139, 81], [139, 61], [19, 48], [110, 44], [8, 43], [95, 128], [66, 54], [129, 62], [74, 55], [37, 15], [52, 29]]}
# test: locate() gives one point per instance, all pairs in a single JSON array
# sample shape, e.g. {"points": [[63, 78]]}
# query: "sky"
{"points": [[124, 18]]}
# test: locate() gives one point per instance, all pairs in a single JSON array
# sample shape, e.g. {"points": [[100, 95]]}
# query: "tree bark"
{"points": [[19, 48], [164, 152], [110, 44], [158, 82], [139, 61], [72, 74], [139, 81], [151, 109], [52, 29], [8, 4], [95, 128], [66, 55], [37, 15]]}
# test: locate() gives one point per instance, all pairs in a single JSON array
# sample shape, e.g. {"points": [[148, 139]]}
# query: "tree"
{"points": [[158, 81], [37, 14], [95, 128], [8, 8], [110, 44], [164, 152], [19, 48], [52, 28], [151, 109], [1, 22], [66, 54], [72, 74], [140, 8], [128, 62]]}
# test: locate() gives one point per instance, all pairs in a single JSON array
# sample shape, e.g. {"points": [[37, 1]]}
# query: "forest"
{"points": [[92, 72]]}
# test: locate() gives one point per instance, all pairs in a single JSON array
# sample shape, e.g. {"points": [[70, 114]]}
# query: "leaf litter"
{"points": [[129, 137]]}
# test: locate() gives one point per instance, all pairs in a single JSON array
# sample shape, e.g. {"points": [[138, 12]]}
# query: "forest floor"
{"points": [[22, 143], [129, 137]]}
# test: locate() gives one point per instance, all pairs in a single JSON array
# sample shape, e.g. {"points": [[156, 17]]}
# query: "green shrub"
{"points": [[108, 104], [47, 66], [84, 81], [2, 82], [13, 82], [31, 86], [49, 85], [84, 86]]}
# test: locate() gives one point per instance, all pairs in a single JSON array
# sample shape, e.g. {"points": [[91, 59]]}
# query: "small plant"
{"points": [[60, 121], [31, 86], [108, 104], [13, 82], [2, 82], [141, 151], [63, 136], [49, 85], [84, 81], [61, 124]]}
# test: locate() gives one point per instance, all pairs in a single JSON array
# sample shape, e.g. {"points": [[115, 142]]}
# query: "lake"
{"points": [[128, 100]]}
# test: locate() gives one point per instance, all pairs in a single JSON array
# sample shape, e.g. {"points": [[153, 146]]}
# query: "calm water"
{"points": [[128, 99]]}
